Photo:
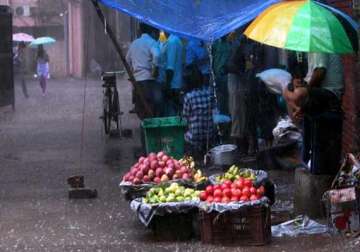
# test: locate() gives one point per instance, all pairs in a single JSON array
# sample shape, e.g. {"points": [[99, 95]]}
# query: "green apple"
{"points": [[179, 198]]}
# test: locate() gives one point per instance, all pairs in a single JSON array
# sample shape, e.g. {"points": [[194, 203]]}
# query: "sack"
{"points": [[275, 79]]}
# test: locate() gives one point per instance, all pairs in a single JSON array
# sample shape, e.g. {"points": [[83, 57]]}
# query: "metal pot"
{"points": [[226, 154]]}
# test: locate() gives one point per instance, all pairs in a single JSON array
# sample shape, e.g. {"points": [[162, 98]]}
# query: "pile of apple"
{"points": [[157, 168], [240, 190]]}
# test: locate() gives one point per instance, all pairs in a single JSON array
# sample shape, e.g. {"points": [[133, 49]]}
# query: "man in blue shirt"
{"points": [[171, 73], [196, 53]]}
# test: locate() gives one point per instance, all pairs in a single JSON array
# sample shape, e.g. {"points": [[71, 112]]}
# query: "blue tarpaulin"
{"points": [[207, 20]]}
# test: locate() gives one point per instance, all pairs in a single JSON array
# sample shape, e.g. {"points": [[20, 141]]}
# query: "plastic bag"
{"points": [[298, 226], [146, 212], [276, 80], [224, 207], [286, 132]]}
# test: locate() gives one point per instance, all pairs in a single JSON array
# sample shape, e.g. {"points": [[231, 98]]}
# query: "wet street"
{"points": [[46, 140]]}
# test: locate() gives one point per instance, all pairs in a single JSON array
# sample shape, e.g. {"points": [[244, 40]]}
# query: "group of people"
{"points": [[42, 67], [173, 78]]}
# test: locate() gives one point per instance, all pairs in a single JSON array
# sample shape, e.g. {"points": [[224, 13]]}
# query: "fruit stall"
{"points": [[226, 208]]}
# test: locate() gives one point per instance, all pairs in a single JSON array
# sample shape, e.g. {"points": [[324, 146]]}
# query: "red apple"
{"points": [[169, 171], [131, 178], [170, 161], [141, 160], [160, 155], [146, 179], [146, 162], [153, 164], [184, 169], [136, 181], [185, 176], [159, 172], [139, 175], [165, 158], [157, 180], [176, 176], [161, 163], [151, 174]]}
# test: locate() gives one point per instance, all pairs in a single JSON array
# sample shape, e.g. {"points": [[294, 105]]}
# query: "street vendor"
{"points": [[319, 106], [198, 111]]}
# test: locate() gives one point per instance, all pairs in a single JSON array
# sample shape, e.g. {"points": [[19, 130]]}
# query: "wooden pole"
{"points": [[118, 49]]}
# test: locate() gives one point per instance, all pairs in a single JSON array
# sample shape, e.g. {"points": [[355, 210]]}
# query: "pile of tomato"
{"points": [[241, 190]]}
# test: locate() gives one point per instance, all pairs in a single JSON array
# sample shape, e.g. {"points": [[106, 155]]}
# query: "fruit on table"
{"points": [[188, 161], [235, 173], [172, 193], [158, 167], [239, 190]]}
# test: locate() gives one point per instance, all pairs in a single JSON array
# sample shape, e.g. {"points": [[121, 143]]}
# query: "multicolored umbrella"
{"points": [[22, 37], [306, 26], [42, 41]]}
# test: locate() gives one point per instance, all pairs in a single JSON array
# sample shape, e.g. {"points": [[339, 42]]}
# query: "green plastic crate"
{"points": [[165, 134]]}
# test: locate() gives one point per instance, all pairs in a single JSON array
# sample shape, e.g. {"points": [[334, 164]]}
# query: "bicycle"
{"points": [[111, 105]]}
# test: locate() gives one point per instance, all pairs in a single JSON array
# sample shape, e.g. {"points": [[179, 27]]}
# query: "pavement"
{"points": [[47, 139]]}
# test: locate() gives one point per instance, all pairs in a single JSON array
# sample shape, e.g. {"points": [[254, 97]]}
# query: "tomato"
{"points": [[228, 182], [216, 187], [236, 192], [217, 199], [244, 198], [246, 192], [209, 190], [248, 182], [210, 199], [239, 184], [252, 190], [260, 191], [227, 192], [253, 197], [234, 198], [218, 193], [225, 199], [233, 185], [224, 186], [203, 196]]}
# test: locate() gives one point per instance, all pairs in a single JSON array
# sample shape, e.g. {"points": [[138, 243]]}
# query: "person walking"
{"points": [[42, 60], [19, 65]]}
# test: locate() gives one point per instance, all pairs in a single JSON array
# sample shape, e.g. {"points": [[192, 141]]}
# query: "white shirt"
{"points": [[334, 78], [142, 56]]}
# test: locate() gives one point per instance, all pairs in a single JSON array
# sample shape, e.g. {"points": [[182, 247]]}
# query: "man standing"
{"points": [[143, 57], [321, 112], [19, 65], [196, 53], [171, 73]]}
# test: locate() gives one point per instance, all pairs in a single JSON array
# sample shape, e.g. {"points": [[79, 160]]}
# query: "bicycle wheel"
{"points": [[107, 111]]}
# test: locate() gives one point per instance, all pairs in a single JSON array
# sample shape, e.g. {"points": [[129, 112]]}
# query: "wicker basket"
{"points": [[248, 226]]}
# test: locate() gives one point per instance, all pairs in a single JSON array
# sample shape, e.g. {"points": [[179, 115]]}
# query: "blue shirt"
{"points": [[171, 59], [197, 53]]}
